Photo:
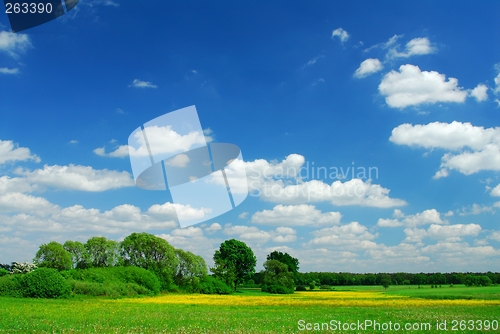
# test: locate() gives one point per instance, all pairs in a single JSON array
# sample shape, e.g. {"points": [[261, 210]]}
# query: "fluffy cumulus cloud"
{"points": [[450, 233], [282, 182], [142, 84], [368, 67], [32, 214], [478, 148], [411, 87], [496, 191], [13, 44], [10, 152], [295, 215], [120, 152], [415, 47], [75, 177], [341, 34], [183, 212], [431, 216], [480, 93], [349, 237]]}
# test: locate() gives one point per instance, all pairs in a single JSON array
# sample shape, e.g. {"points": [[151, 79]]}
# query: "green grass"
{"points": [[94, 315]]}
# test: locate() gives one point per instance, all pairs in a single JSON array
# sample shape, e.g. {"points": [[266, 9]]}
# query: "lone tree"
{"points": [[53, 255], [291, 262], [385, 282], [277, 278], [234, 262]]}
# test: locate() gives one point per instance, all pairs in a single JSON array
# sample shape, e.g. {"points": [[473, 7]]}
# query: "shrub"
{"points": [[300, 288], [44, 283], [3, 272], [113, 281], [112, 289], [275, 288], [324, 287], [23, 267], [312, 285], [10, 286], [212, 285]]}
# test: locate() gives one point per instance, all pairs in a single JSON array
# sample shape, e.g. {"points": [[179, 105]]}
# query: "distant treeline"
{"points": [[401, 278]]}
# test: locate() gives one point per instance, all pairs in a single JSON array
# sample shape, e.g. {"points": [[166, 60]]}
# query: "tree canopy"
{"points": [[234, 262], [277, 278], [53, 255], [291, 262]]}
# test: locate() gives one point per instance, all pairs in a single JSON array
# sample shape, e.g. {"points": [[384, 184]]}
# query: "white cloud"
{"points": [[476, 209], [243, 215], [14, 43], [485, 144], [495, 235], [188, 232], [120, 152], [497, 84], [75, 177], [295, 215], [389, 222], [431, 216], [248, 233], [350, 237], [392, 41], [352, 192], [341, 34], [18, 202], [367, 67], [495, 191], [452, 233], [450, 136], [5, 70], [480, 93], [17, 184], [10, 153], [142, 84], [163, 139], [417, 46], [449, 231], [73, 141], [213, 228], [180, 160], [183, 212], [411, 86], [282, 183]]}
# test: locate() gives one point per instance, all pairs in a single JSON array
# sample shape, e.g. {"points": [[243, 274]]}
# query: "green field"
{"points": [[251, 311]]}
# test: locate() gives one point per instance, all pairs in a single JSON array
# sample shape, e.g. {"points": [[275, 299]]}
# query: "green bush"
{"points": [[211, 285], [113, 281], [44, 283], [3, 272], [275, 288], [10, 286], [112, 289], [300, 288]]}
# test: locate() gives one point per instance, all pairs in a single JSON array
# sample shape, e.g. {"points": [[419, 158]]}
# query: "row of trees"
{"points": [[234, 262], [171, 265], [234, 265], [401, 278]]}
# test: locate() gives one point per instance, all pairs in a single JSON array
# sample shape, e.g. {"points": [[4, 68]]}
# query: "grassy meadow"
{"points": [[251, 311]]}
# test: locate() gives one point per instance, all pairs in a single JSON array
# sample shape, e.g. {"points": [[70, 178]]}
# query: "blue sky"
{"points": [[409, 89]]}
